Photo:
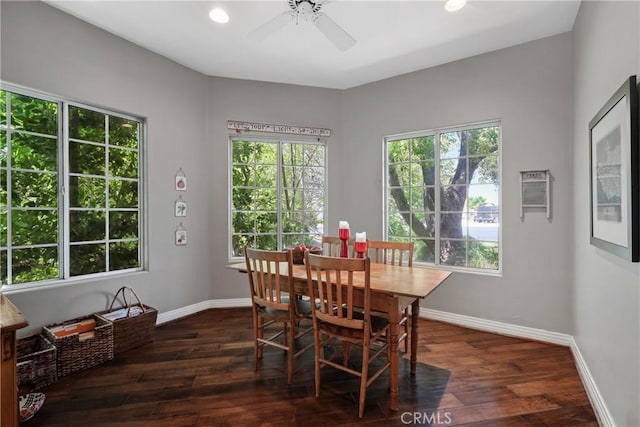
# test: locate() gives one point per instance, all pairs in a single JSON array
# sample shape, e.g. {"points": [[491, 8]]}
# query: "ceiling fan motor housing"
{"points": [[305, 9]]}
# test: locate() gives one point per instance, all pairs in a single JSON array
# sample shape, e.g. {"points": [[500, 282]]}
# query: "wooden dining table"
{"points": [[393, 288]]}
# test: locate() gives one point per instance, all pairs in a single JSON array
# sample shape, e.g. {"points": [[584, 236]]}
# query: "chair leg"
{"points": [[261, 336], [346, 351], [406, 330], [285, 333], [387, 338], [363, 379], [290, 354], [256, 347], [319, 348]]}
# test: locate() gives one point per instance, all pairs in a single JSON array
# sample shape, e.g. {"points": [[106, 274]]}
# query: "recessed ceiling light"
{"points": [[454, 5], [219, 15]]}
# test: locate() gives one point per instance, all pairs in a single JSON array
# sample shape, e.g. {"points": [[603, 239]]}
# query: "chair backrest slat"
{"points": [[331, 283], [331, 246], [266, 271], [350, 301], [395, 253]]}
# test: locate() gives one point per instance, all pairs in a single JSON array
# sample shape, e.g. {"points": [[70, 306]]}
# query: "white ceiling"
{"points": [[393, 37]]}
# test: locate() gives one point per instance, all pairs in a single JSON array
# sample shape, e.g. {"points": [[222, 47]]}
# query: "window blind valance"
{"points": [[242, 126]]}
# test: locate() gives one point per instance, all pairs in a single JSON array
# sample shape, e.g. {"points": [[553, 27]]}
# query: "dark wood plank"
{"points": [[199, 372]]}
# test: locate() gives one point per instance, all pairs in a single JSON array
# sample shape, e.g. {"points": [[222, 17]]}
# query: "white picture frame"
{"points": [[181, 181], [180, 207], [181, 237]]}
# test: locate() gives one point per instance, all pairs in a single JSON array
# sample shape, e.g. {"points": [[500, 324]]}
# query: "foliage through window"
{"points": [[277, 194], [69, 202], [442, 192]]}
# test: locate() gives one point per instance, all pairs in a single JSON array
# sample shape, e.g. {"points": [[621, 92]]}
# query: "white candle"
{"points": [[342, 225], [361, 237]]}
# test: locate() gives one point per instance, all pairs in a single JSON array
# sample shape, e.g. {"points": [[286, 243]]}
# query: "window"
{"points": [[277, 194], [103, 192], [70, 189], [442, 192]]}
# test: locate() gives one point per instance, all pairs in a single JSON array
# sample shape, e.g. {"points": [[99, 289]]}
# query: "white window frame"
{"points": [[436, 132], [279, 142], [64, 261]]}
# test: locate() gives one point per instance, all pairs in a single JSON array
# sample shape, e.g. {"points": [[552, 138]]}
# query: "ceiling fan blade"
{"points": [[334, 32], [271, 26]]}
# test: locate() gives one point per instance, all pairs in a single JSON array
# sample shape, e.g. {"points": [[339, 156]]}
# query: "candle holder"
{"points": [[343, 233], [361, 244]]}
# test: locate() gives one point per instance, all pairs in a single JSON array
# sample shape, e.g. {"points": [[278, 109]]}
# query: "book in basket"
{"points": [[133, 324], [80, 349]]}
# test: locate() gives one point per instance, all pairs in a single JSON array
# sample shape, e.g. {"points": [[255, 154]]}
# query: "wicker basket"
{"points": [[36, 362], [131, 331], [75, 354]]}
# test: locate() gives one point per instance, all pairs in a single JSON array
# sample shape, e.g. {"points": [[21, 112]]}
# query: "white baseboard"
{"points": [[599, 406], [178, 313], [498, 327], [597, 402], [235, 302]]}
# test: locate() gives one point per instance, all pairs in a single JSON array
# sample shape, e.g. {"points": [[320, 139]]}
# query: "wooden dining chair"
{"points": [[331, 283], [273, 300], [331, 246], [395, 253]]}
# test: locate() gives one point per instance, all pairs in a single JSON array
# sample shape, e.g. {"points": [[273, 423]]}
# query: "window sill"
{"points": [[491, 273], [53, 284]]}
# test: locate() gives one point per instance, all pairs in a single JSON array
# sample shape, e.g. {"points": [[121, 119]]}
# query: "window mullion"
{"points": [[279, 167], [9, 191], [465, 212], [64, 235], [437, 191], [106, 193], [141, 199], [254, 187]]}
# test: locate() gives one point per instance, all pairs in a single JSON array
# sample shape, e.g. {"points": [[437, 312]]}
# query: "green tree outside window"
{"points": [[435, 182], [103, 178], [277, 194]]}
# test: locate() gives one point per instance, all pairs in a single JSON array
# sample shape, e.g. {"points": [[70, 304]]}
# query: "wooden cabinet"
{"points": [[11, 319]]}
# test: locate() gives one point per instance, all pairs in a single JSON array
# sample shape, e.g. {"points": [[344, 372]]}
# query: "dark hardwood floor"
{"points": [[199, 372]]}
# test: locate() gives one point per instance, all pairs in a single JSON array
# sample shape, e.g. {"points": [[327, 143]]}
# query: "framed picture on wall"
{"points": [[180, 207], [181, 181], [181, 235], [535, 191], [614, 153]]}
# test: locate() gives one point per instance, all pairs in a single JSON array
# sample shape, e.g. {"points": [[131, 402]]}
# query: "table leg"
{"points": [[8, 388], [393, 369], [415, 309]]}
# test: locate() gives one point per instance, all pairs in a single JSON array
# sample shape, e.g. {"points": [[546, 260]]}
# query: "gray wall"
{"points": [[528, 87], [50, 51], [264, 103], [607, 288]]}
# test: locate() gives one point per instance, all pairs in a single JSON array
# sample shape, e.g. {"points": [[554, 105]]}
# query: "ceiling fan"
{"points": [[306, 10]]}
